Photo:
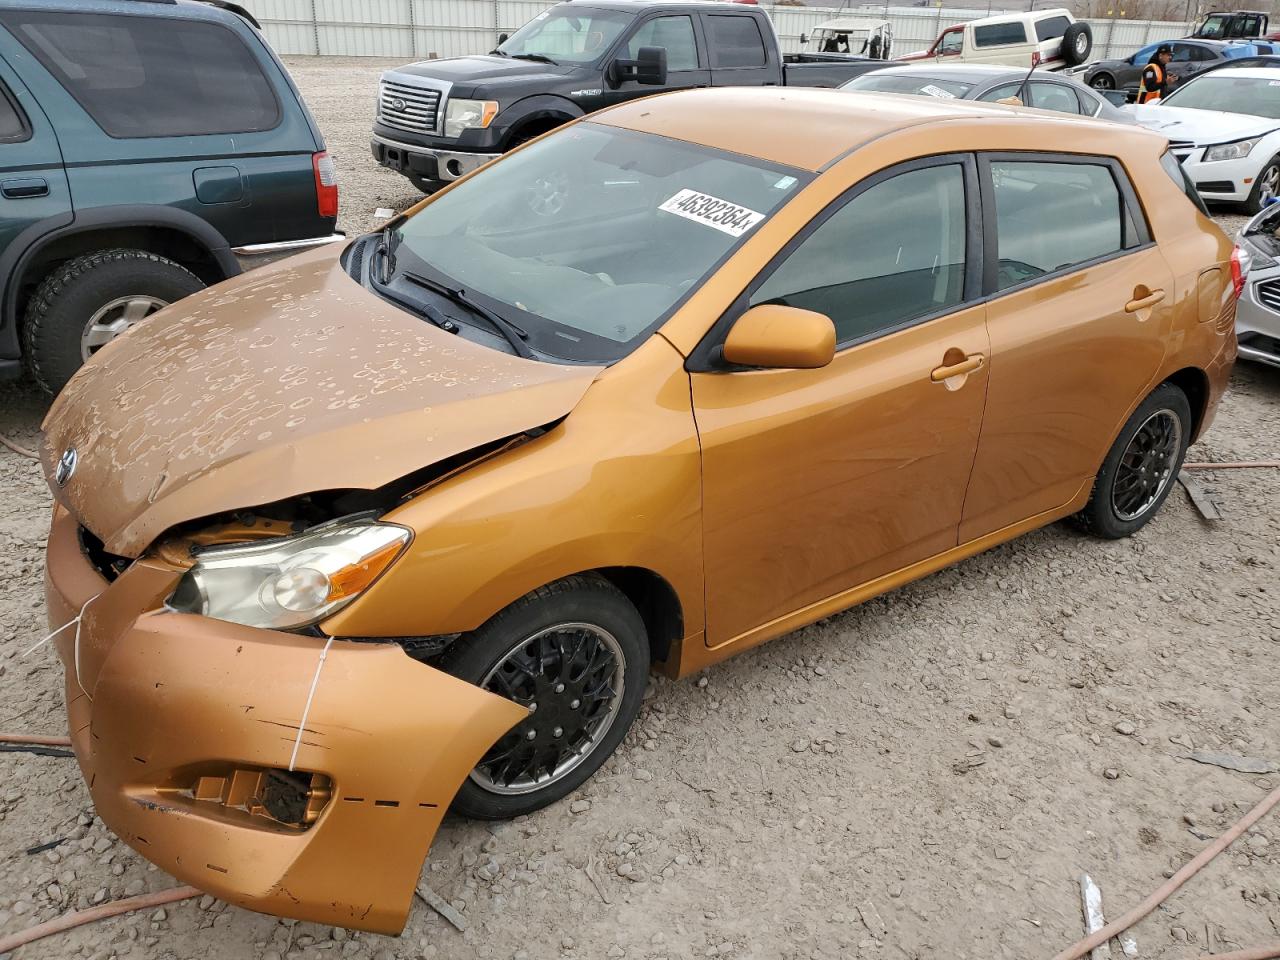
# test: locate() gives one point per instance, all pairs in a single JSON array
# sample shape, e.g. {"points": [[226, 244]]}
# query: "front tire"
{"points": [[89, 301], [1140, 469], [424, 184], [1103, 81], [576, 653], [1265, 187]]}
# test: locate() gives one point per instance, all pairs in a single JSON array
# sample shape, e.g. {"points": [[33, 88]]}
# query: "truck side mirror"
{"points": [[503, 38], [649, 67], [803, 39]]}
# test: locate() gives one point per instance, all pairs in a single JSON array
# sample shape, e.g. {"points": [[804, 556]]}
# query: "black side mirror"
{"points": [[649, 67], [503, 38]]}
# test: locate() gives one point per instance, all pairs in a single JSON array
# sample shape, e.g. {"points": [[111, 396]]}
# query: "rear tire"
{"points": [[1141, 467], [86, 302], [1102, 81], [575, 649], [1265, 187], [1077, 44]]}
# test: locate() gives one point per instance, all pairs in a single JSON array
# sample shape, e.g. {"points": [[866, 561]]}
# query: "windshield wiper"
{"points": [[500, 52], [424, 310], [514, 335], [387, 248], [539, 57]]}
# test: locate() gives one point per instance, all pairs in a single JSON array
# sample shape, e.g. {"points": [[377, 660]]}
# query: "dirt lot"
{"points": [[923, 777]]}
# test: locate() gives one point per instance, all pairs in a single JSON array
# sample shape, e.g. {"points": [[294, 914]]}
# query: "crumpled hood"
{"points": [[289, 380], [1201, 127]]}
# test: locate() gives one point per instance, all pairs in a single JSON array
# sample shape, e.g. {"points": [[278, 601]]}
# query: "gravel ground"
{"points": [[923, 777]]}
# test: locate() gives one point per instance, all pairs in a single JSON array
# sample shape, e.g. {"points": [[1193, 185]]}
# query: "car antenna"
{"points": [[1022, 87]]}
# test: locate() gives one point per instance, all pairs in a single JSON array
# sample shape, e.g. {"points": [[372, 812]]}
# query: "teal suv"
{"points": [[147, 148]]}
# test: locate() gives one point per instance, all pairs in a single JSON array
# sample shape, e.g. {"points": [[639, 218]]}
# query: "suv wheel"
{"points": [[1141, 467], [576, 654], [89, 301]]}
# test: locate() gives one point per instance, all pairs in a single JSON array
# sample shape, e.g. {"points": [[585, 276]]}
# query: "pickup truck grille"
{"points": [[408, 108]]}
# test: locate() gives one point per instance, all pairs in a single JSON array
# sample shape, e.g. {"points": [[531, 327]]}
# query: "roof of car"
{"points": [[641, 6], [810, 128], [1021, 15], [1254, 73]]}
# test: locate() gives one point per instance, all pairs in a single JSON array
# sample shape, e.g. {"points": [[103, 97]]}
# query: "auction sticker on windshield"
{"points": [[712, 212]]}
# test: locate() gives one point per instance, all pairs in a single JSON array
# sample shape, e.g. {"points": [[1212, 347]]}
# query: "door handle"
{"points": [[969, 364], [31, 187], [1142, 303]]}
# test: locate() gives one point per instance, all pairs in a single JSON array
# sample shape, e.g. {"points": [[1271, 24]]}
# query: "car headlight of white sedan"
{"points": [[1236, 150]]}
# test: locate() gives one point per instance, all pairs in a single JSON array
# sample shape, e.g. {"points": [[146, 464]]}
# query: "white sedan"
{"points": [[1224, 127]]}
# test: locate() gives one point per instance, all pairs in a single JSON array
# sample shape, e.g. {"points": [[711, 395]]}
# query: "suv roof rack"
{"points": [[227, 5]]}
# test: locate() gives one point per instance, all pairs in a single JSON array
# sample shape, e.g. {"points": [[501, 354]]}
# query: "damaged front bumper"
{"points": [[184, 728]]}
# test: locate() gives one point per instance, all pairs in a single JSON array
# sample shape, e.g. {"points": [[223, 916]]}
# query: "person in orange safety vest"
{"points": [[1156, 75]]}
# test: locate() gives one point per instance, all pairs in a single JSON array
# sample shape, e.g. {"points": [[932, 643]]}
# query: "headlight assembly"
{"points": [[1231, 151], [289, 582], [465, 114]]}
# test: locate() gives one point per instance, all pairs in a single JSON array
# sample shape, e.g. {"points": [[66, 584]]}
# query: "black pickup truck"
{"points": [[440, 119]]}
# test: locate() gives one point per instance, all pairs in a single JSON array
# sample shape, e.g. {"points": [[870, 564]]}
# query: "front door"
{"points": [[685, 70], [1081, 299], [816, 481]]}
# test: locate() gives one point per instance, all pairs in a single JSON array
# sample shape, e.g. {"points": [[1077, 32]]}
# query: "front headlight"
{"points": [[1231, 151], [290, 582], [465, 114]]}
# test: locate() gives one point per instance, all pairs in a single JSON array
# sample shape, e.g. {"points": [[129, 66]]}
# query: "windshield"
{"points": [[919, 86], [1256, 96], [591, 237], [568, 34]]}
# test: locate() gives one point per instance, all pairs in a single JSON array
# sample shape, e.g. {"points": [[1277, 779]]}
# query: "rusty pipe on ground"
{"points": [[38, 740], [20, 451], [1170, 886], [76, 918], [1233, 465], [1270, 952]]}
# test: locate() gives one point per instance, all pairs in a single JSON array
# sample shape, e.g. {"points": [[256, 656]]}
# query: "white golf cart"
{"points": [[851, 36]]}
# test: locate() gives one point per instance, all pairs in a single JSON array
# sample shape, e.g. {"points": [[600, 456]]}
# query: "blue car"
{"points": [[1189, 58]]}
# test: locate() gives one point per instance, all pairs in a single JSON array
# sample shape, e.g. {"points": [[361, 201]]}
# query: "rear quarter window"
{"points": [[13, 123], [999, 34], [151, 76], [1051, 28]]}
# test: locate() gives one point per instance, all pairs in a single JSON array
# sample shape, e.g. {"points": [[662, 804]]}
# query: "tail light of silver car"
{"points": [[326, 175], [1241, 261]]}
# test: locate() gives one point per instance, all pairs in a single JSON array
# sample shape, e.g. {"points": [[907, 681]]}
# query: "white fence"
{"points": [[420, 29]]}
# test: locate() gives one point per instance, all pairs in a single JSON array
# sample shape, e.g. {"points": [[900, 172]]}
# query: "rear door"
{"points": [[1059, 97], [33, 184], [1005, 42], [1082, 301], [740, 56]]}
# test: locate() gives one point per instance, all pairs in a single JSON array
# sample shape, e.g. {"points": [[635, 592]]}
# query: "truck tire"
{"points": [[1077, 44], [86, 302]]}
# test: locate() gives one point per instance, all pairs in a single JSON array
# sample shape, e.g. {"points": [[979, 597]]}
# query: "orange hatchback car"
{"points": [[353, 539]]}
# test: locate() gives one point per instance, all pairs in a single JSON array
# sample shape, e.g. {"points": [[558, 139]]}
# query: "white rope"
{"points": [[306, 711], [66, 626]]}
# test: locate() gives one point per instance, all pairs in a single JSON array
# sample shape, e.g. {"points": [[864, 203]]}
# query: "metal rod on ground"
{"points": [[20, 451], [1270, 952], [35, 739], [1234, 465], [1170, 886], [78, 918]]}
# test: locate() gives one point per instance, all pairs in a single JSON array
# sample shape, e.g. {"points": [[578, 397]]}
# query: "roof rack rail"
{"points": [[227, 5]]}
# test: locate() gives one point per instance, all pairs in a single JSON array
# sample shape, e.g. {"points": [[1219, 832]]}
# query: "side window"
{"points": [[674, 33], [151, 76], [891, 254], [1054, 96], [1182, 52], [1051, 28], [1082, 202], [952, 43], [1200, 54], [13, 123], [735, 41], [999, 34], [1002, 91]]}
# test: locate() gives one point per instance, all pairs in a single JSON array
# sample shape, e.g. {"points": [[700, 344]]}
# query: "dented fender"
{"points": [[182, 708]]}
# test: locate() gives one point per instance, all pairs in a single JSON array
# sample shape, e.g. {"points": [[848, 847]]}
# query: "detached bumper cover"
{"points": [[159, 699]]}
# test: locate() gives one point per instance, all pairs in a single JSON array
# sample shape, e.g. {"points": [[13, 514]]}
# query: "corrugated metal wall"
{"points": [[419, 29]]}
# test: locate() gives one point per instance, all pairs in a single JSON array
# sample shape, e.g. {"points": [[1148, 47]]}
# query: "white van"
{"points": [[1051, 39]]}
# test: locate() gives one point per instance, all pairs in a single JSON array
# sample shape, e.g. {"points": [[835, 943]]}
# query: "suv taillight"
{"points": [[326, 184], [1240, 263]]}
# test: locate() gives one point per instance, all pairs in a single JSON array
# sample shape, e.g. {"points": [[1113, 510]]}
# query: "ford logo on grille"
{"points": [[395, 103], [66, 467]]}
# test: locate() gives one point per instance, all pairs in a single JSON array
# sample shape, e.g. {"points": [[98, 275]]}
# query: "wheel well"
{"points": [[534, 127], [657, 602], [173, 244], [1195, 384]]}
